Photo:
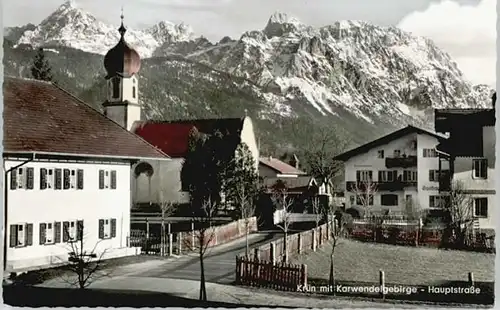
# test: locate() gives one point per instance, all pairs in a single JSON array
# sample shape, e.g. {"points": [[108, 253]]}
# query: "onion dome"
{"points": [[122, 60]]}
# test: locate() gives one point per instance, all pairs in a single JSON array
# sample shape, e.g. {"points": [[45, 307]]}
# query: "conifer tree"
{"points": [[40, 69]]}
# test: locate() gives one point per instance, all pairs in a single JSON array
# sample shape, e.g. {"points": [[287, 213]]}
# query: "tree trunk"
{"points": [[203, 289], [332, 276], [247, 250], [162, 239], [285, 248]]}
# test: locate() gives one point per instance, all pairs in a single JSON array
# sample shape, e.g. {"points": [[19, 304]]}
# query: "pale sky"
{"points": [[466, 29]]}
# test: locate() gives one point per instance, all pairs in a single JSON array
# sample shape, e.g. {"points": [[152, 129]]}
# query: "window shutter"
{"points": [[79, 179], [113, 228], [29, 234], [58, 176], [431, 175], [43, 235], [13, 236], [66, 179], [65, 231], [380, 176], [101, 228], [484, 168], [57, 229], [101, 179], [79, 230], [431, 201], [113, 179], [13, 179], [43, 178], [30, 175]]}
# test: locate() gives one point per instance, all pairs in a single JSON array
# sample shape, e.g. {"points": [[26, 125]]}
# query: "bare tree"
{"points": [[365, 193], [337, 233], [167, 209], [324, 143], [246, 206], [460, 207], [283, 204], [316, 206], [412, 209], [86, 264], [203, 238]]}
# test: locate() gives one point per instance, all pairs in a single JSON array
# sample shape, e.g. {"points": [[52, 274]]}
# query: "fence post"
{"points": [[170, 243], [382, 283], [192, 235], [314, 240], [299, 243], [304, 275], [272, 252], [256, 254], [471, 279], [179, 243]]}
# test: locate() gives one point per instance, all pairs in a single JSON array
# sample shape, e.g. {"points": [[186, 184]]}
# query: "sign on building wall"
{"points": [[430, 188]]}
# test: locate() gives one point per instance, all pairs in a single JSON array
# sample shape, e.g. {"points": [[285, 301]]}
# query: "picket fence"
{"points": [[281, 276]]}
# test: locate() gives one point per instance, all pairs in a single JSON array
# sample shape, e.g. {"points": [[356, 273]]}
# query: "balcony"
{"points": [[401, 162], [380, 186]]}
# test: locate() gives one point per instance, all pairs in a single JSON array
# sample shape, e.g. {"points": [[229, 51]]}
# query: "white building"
{"points": [[67, 175], [470, 150], [156, 181], [399, 168]]}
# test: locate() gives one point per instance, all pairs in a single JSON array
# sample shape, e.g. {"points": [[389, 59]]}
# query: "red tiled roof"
{"points": [[42, 117], [279, 166], [172, 136]]}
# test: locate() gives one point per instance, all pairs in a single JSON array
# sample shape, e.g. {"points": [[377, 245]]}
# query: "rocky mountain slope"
{"points": [[287, 76]]}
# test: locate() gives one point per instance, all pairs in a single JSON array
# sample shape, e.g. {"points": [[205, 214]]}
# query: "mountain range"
{"points": [[289, 77]]}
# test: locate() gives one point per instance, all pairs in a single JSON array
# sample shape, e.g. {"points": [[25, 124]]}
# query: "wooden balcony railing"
{"points": [[401, 162]]}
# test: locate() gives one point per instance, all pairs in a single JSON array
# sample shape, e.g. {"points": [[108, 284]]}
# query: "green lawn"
{"points": [[360, 262]]}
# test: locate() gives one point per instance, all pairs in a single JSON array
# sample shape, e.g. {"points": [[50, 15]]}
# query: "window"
{"points": [[480, 168], [116, 87], [380, 154], [438, 201], [48, 233], [364, 200], [433, 175], [389, 200], [107, 179], [397, 153], [387, 176], [409, 198], [481, 207], [352, 200], [72, 231], [409, 176], [414, 145], [364, 175], [133, 92], [21, 235], [429, 153], [58, 179], [22, 178], [107, 228]]}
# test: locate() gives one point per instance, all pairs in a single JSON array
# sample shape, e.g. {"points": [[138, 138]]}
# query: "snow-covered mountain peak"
{"points": [[168, 32], [73, 27], [282, 23]]}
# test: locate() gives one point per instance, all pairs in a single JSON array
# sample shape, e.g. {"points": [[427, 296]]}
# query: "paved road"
{"points": [[219, 261]]}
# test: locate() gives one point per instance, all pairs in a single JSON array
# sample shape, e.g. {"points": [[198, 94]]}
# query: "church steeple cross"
{"points": [[122, 28]]}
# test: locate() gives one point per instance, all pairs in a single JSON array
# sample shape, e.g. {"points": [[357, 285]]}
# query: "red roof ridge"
{"points": [[86, 105]]}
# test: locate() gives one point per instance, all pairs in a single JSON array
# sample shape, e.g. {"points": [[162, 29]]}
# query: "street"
{"points": [[219, 261]]}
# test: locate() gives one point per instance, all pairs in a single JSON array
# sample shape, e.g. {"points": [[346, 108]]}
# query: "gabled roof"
{"points": [[386, 139], [172, 136], [279, 166], [298, 183], [41, 117]]}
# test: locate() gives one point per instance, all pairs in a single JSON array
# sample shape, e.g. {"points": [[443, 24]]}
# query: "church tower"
{"points": [[122, 64]]}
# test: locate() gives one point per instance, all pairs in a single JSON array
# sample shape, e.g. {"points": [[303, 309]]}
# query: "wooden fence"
{"points": [[152, 244], [281, 276]]}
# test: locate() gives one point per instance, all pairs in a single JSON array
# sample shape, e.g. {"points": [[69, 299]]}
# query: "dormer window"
{"points": [[116, 87]]}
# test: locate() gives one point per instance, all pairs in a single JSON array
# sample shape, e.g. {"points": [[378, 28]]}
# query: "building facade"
{"points": [[67, 175], [395, 174], [470, 152]]}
